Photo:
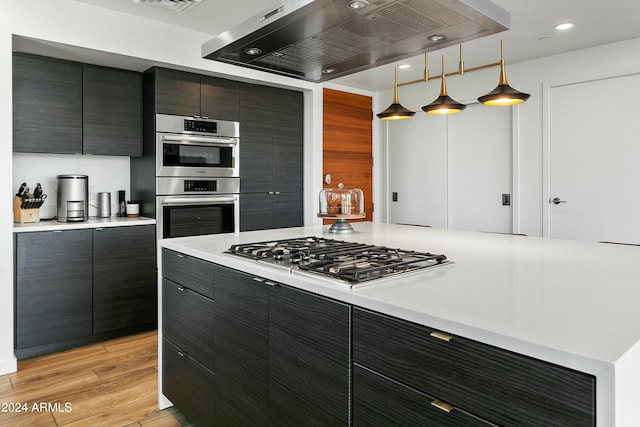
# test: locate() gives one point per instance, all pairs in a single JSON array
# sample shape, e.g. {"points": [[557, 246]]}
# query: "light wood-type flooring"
{"points": [[113, 383]]}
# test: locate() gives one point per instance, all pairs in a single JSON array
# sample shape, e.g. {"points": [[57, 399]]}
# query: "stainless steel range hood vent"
{"points": [[319, 40]]}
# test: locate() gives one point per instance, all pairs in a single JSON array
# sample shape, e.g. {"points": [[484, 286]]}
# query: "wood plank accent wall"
{"points": [[346, 134]]}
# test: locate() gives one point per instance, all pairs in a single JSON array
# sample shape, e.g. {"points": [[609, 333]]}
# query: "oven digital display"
{"points": [[200, 126], [191, 185]]}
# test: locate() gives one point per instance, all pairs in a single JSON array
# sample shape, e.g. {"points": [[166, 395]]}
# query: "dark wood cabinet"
{"points": [[175, 92], [309, 359], [190, 272], [74, 287], [497, 385], [47, 105], [282, 356], [242, 349], [188, 384], [380, 401], [124, 278], [189, 325], [66, 107], [259, 211], [189, 322], [219, 99], [271, 152], [188, 94], [53, 289], [112, 111]]}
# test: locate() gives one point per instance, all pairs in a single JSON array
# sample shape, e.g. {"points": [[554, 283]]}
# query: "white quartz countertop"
{"points": [[52, 225], [573, 303]]}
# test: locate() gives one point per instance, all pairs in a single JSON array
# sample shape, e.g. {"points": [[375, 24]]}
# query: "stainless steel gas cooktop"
{"points": [[349, 263]]}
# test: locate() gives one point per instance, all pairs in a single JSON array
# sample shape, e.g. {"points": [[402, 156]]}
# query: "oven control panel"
{"points": [[191, 185]]}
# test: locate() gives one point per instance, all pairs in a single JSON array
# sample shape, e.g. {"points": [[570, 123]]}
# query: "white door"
{"points": [[480, 169], [593, 160]]}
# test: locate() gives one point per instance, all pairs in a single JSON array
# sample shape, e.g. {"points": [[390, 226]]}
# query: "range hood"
{"points": [[319, 40]]}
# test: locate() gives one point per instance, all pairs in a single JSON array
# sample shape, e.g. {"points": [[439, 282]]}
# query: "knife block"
{"points": [[24, 215]]}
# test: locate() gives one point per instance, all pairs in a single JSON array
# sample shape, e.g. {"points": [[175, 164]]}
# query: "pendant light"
{"points": [[503, 94], [395, 110], [444, 104]]}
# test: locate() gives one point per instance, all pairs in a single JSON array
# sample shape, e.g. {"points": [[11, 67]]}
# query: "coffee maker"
{"points": [[73, 198]]}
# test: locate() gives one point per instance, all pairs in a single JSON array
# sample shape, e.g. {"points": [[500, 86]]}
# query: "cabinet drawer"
{"points": [[498, 385], [188, 321], [190, 272], [188, 384], [380, 401]]}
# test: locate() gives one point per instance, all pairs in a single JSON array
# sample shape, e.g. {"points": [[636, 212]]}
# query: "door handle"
{"points": [[557, 201], [327, 179]]}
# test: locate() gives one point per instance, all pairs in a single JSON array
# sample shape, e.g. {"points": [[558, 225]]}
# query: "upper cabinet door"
{"points": [[112, 111], [220, 99], [47, 105], [177, 92]]}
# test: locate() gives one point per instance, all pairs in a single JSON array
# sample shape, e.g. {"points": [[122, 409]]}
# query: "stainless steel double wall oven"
{"points": [[197, 176]]}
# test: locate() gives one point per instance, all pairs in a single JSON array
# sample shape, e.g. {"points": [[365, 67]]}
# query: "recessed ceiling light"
{"points": [[253, 51], [437, 38], [404, 66], [329, 71], [564, 26], [357, 4]]}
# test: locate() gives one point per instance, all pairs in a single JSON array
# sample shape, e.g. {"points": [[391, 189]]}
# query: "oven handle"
{"points": [[199, 200], [195, 139]]}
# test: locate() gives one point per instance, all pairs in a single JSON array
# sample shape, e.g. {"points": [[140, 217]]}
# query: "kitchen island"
{"points": [[570, 304]]}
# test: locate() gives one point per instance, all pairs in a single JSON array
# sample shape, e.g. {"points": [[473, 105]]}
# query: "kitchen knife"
{"points": [[37, 192], [21, 191]]}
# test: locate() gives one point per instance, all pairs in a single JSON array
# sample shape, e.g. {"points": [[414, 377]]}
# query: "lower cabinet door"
{"points": [[124, 278], [309, 359], [188, 384], [188, 321], [379, 401], [53, 288]]}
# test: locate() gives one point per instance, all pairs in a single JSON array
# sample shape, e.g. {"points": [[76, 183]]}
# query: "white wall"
{"points": [[106, 174], [79, 25], [614, 59]]}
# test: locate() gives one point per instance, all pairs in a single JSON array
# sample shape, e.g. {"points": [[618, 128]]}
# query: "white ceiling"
{"points": [[532, 34]]}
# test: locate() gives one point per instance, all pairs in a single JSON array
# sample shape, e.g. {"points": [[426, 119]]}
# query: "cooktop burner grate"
{"points": [[348, 261]]}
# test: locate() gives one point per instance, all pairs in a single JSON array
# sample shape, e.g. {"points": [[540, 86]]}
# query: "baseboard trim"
{"points": [[8, 366]]}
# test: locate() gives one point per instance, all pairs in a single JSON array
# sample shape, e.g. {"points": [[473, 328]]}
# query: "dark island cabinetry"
{"points": [[270, 343], [188, 334], [496, 385], [309, 359], [288, 357], [65, 107], [74, 287]]}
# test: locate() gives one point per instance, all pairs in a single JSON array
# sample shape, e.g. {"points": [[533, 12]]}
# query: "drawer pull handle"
{"points": [[181, 354], [258, 279], [180, 256], [443, 406], [181, 288], [441, 336], [270, 283]]}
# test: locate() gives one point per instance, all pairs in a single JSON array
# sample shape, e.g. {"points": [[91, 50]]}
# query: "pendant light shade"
{"points": [[503, 94], [395, 111], [444, 104]]}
